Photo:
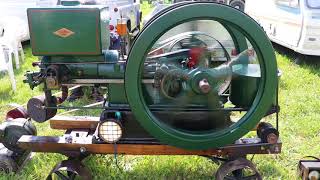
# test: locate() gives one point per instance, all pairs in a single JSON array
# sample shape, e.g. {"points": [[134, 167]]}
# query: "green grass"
{"points": [[299, 98], [145, 8]]}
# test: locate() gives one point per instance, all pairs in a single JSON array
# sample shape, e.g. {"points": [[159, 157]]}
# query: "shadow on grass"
{"points": [[270, 170], [151, 167], [310, 63]]}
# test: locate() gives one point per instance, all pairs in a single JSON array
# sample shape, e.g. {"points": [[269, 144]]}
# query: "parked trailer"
{"points": [[290, 23]]}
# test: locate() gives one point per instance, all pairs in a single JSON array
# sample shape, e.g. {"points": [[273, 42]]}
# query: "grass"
{"points": [[299, 98]]}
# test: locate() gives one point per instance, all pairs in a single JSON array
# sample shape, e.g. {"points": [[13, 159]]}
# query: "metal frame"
{"points": [[77, 144]]}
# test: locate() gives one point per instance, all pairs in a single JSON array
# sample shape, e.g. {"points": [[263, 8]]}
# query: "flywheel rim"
{"points": [[193, 11]]}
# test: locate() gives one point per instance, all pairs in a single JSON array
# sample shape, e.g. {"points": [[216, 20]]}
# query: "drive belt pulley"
{"points": [[192, 71]]}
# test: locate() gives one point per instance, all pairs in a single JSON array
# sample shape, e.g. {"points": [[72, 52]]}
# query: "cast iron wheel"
{"points": [[234, 170], [70, 170], [7, 164], [14, 130], [185, 13], [66, 175]]}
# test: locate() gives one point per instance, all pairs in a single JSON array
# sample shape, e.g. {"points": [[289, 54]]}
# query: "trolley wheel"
{"points": [[7, 164], [239, 169], [65, 175], [14, 129], [69, 170]]}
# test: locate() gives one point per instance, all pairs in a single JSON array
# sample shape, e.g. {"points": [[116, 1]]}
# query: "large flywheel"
{"points": [[213, 73]]}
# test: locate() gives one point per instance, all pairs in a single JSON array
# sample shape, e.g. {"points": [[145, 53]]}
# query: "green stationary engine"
{"points": [[198, 75]]}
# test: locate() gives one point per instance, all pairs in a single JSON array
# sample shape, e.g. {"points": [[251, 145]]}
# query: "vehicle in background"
{"points": [[17, 9], [158, 6], [238, 4], [14, 13], [220, 33], [124, 10], [294, 24], [128, 9]]}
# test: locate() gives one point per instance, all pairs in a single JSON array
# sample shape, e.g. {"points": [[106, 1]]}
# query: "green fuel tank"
{"points": [[68, 31]]}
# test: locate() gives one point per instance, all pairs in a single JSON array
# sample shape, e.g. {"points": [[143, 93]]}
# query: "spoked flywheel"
{"points": [[202, 95]]}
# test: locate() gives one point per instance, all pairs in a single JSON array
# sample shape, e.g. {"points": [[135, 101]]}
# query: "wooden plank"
{"points": [[78, 122], [74, 122], [59, 145]]}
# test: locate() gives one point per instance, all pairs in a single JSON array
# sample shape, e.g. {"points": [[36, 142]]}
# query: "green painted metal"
{"points": [[95, 71], [239, 40], [65, 31], [73, 59], [110, 56], [195, 11], [116, 94], [244, 84]]}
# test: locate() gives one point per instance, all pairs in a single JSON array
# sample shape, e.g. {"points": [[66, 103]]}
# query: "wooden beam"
{"points": [[59, 145], [74, 122]]}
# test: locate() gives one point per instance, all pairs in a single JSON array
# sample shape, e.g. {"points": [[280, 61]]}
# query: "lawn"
{"points": [[299, 98]]}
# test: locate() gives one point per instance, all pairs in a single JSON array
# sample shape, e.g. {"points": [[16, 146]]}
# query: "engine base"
{"points": [[78, 143], [81, 143]]}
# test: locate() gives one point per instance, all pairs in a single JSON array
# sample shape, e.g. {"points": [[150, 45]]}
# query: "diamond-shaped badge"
{"points": [[63, 32]]}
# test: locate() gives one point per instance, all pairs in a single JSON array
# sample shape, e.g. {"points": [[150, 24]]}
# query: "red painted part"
{"points": [[111, 27], [18, 112], [195, 55], [234, 52]]}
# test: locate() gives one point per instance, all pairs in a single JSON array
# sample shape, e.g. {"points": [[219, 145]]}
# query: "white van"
{"points": [[15, 12], [294, 24]]}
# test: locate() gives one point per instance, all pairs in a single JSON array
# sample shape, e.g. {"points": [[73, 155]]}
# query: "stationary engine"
{"points": [[198, 75]]}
